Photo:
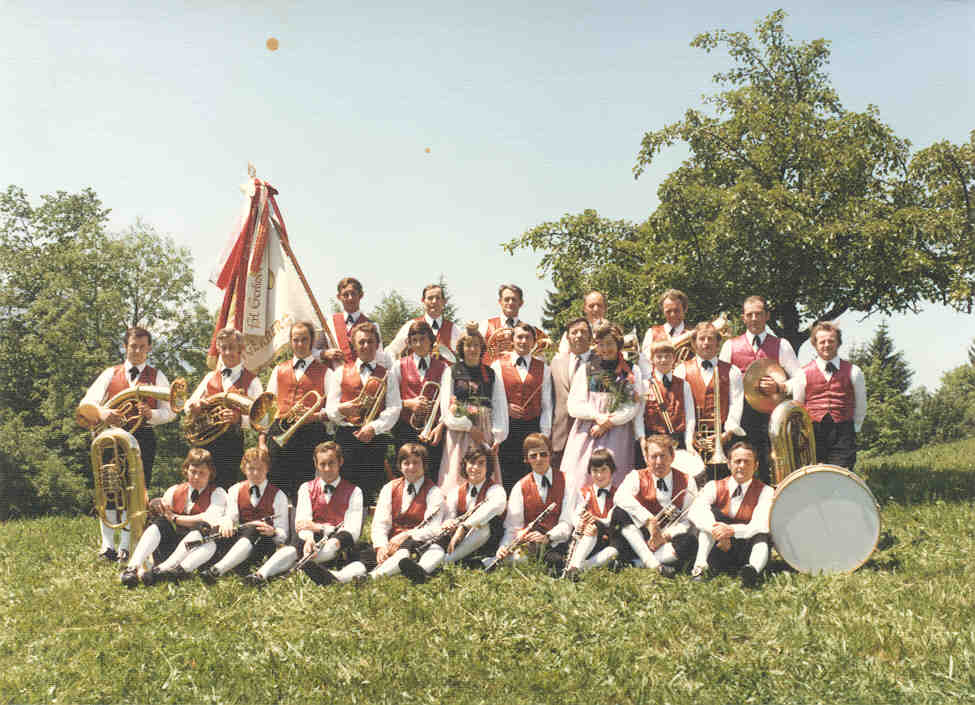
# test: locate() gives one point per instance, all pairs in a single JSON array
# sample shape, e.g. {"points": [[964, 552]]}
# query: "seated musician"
{"points": [[480, 504], [328, 519], [732, 517], [195, 504], [673, 306], [291, 381], [592, 519], [510, 299], [133, 371], [656, 540], [532, 494], [447, 332], [353, 393], [350, 293], [563, 367], [675, 417], [255, 523], [528, 388], [229, 376], [409, 511], [410, 374], [593, 311], [835, 395]]}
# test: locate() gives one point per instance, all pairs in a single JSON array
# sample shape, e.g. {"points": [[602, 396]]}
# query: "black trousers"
{"points": [[511, 452], [403, 433], [737, 556], [263, 546], [756, 430], [227, 450], [364, 462], [685, 545], [170, 536], [836, 443], [146, 435], [295, 462]]}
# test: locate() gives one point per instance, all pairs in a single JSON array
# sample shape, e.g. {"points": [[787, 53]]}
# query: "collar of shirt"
{"points": [[538, 478], [416, 361], [407, 497], [760, 337], [660, 375], [476, 488], [129, 366], [821, 363], [260, 489], [360, 362], [430, 321], [355, 316], [308, 360], [237, 369], [714, 365], [734, 485], [325, 484], [678, 329]]}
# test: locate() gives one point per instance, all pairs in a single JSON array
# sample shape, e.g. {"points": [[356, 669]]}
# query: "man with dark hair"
{"points": [[350, 293], [673, 306], [446, 333], [578, 333]]}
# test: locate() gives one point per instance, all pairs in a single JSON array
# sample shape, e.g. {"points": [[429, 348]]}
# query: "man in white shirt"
{"points": [[340, 325], [510, 299], [447, 332], [593, 310], [673, 306], [578, 333]]}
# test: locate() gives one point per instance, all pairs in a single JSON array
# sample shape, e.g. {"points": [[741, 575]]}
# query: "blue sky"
{"points": [[529, 112]]}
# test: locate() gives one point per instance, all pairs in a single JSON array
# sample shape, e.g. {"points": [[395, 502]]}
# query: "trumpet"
{"points": [[369, 402], [298, 415], [116, 465], [209, 425], [126, 404], [419, 418], [657, 397], [428, 434]]}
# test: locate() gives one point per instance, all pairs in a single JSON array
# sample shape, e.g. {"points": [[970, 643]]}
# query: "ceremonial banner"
{"points": [[264, 288]]}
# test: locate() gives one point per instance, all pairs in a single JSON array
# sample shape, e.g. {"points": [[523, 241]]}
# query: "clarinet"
{"points": [[448, 529], [319, 545], [426, 520], [518, 540], [587, 520], [214, 534]]}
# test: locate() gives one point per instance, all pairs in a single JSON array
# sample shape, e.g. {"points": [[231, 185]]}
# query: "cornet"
{"points": [[298, 415]]}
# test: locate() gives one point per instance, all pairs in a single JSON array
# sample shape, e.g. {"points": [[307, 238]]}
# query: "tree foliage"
{"points": [[392, 311], [786, 193]]}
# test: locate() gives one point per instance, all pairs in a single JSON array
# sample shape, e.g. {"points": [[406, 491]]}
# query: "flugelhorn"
{"points": [[370, 401], [298, 415], [419, 418], [126, 404], [209, 425], [116, 466], [792, 438]]}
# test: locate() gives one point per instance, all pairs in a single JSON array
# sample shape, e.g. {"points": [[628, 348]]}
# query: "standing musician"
{"points": [[756, 344], [229, 376], [481, 531], [510, 299], [292, 464], [410, 374], [447, 332], [564, 366], [133, 371], [593, 310], [641, 501], [474, 410], [835, 395], [340, 326], [363, 446], [732, 517], [675, 416], [528, 388], [324, 504], [535, 491], [698, 373], [673, 306], [593, 517]]}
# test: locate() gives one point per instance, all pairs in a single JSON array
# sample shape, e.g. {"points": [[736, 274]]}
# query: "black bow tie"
{"points": [[473, 491], [545, 482], [349, 320], [410, 489], [673, 332], [194, 495], [367, 366], [436, 325], [510, 323], [706, 364], [830, 367], [255, 491], [603, 492], [227, 372], [133, 372], [328, 489], [299, 364], [668, 380], [737, 492], [423, 364], [756, 342], [661, 485], [521, 362]]}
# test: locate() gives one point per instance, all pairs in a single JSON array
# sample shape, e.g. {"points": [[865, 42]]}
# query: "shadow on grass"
{"points": [[916, 484]]}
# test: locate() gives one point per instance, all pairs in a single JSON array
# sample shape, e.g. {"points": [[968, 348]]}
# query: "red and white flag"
{"points": [[264, 289]]}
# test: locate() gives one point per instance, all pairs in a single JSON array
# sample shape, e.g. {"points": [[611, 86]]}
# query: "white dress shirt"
{"points": [[387, 417], [690, 418], [737, 397], [272, 382], [353, 513], [494, 504], [514, 521], [545, 393], [98, 391], [280, 508], [672, 333], [212, 514], [382, 520], [582, 505], [254, 389], [626, 499], [787, 359], [859, 389], [401, 341], [702, 516]]}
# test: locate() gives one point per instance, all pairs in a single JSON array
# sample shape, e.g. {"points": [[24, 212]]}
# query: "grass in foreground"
{"points": [[899, 630], [943, 471]]}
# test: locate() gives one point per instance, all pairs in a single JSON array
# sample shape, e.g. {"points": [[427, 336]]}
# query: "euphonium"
{"points": [[126, 403], [418, 419], [116, 466], [209, 424], [792, 438], [298, 415]]}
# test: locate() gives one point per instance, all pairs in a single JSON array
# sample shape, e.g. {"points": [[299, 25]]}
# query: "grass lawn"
{"points": [[901, 629]]}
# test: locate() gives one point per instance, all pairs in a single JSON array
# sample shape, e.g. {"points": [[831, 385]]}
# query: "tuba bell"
{"points": [[126, 403], [792, 438], [208, 426], [119, 479]]}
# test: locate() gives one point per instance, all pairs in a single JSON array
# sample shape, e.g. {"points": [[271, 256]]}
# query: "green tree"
{"points": [[392, 311], [785, 193]]}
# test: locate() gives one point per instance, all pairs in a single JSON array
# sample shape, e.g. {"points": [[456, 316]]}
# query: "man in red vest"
{"points": [[675, 416], [510, 299], [673, 306], [732, 517], [447, 333], [133, 371], [835, 395], [229, 376], [350, 293]]}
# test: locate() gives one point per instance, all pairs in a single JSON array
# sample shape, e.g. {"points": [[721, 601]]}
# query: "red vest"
{"points": [[410, 382], [290, 389], [835, 397], [443, 335], [673, 398], [404, 521], [743, 354], [120, 382], [647, 494], [215, 385], [722, 502], [519, 392], [264, 508], [345, 345], [352, 385], [333, 512], [589, 493], [181, 499], [494, 324], [464, 490], [533, 500], [704, 396]]}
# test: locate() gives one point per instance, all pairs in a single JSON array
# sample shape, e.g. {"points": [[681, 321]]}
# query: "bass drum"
{"points": [[824, 520], [688, 463]]}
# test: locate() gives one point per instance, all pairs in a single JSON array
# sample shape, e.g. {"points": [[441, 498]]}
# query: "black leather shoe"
{"points": [[109, 555], [123, 555], [412, 570], [668, 571], [255, 580], [209, 575], [749, 577], [129, 577], [150, 576], [572, 574]]}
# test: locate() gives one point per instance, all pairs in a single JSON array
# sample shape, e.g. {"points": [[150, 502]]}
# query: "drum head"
{"points": [[824, 519]]}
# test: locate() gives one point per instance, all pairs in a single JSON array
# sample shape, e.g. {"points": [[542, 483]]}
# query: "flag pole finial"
{"points": [[251, 171]]}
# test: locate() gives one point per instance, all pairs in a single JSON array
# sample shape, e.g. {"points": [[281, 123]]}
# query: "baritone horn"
{"points": [[209, 425], [116, 466], [792, 438], [298, 415], [126, 404]]}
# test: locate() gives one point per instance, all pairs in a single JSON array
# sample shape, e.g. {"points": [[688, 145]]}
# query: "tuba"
{"points": [[298, 415], [209, 426], [792, 438], [119, 478], [126, 403]]}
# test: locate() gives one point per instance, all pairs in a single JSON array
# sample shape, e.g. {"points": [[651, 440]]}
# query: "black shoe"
{"points": [[210, 575], [255, 580], [668, 571], [179, 573], [317, 574], [123, 555], [109, 555], [129, 577], [150, 576], [412, 570], [572, 574], [700, 574], [749, 577]]}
